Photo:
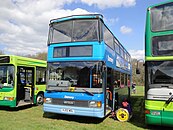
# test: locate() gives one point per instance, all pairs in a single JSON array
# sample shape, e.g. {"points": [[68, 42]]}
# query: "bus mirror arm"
{"points": [[169, 100], [137, 71]]}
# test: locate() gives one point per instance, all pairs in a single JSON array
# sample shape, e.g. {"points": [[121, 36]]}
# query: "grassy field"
{"points": [[31, 118]]}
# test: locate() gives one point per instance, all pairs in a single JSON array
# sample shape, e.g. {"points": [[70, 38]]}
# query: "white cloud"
{"points": [[125, 30], [110, 3], [24, 23], [111, 21], [137, 54]]}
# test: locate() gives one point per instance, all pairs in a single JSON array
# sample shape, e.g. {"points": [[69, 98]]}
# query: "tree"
{"points": [[139, 79], [1, 52], [40, 56]]}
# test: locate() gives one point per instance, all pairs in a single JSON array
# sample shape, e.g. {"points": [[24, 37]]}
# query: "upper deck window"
{"points": [[162, 17], [117, 46], [62, 32], [85, 30], [74, 30], [162, 45], [108, 37]]}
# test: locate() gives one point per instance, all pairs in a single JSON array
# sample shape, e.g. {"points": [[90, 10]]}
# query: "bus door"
{"points": [[25, 85], [109, 91]]}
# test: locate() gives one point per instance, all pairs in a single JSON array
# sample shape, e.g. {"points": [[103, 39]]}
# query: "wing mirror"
{"points": [[138, 71]]}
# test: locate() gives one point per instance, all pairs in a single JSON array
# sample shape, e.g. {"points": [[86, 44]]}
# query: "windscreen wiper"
{"points": [[169, 100], [90, 93]]}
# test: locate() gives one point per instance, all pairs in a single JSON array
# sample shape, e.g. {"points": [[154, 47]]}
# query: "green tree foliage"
{"points": [[1, 52], [139, 79], [40, 56]]}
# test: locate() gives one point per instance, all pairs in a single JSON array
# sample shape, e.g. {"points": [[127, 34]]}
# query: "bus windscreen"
{"points": [[6, 76], [162, 17], [74, 74]]}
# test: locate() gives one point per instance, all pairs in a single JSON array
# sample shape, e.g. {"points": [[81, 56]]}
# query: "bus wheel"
{"points": [[122, 114], [40, 99]]}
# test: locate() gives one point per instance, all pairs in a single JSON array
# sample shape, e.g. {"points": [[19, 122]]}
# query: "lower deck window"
{"points": [[73, 51]]}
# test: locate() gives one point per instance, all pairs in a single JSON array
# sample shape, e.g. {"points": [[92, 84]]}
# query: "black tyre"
{"points": [[40, 99]]}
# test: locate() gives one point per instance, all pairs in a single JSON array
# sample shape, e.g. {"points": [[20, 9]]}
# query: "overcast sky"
{"points": [[24, 23]]}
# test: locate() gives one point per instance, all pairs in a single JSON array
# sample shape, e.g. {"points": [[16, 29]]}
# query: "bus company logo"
{"points": [[68, 97], [110, 59]]}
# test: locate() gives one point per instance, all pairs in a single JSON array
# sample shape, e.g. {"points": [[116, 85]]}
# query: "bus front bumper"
{"points": [[152, 120], [79, 111], [165, 118], [8, 103]]}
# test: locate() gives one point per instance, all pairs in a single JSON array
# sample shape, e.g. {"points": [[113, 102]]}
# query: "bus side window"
{"points": [[40, 75]]}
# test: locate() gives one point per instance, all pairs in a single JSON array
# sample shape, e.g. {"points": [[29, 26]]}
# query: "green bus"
{"points": [[22, 81], [159, 64]]}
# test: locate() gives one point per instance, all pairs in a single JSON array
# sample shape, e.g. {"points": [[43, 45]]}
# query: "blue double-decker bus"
{"points": [[89, 71]]}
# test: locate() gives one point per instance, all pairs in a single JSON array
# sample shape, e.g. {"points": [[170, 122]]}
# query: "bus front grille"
{"points": [[77, 103]]}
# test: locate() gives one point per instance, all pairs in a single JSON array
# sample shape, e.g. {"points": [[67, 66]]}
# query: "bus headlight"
{"points": [[95, 104], [9, 98], [47, 100]]}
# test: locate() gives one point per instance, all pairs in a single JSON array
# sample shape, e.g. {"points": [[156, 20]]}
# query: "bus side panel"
{"points": [[37, 89]]}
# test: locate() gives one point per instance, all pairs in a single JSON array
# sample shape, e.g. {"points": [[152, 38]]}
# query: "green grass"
{"points": [[31, 118]]}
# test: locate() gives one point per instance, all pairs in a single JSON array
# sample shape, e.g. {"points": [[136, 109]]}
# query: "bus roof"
{"points": [[84, 16], [23, 60], [169, 1]]}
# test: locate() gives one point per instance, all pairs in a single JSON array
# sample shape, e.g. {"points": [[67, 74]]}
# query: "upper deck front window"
{"points": [[73, 30], [162, 17]]}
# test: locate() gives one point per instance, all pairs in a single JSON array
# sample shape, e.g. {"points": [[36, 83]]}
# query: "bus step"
{"points": [[23, 103]]}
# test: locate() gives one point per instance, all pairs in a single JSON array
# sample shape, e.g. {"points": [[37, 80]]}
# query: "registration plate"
{"points": [[67, 110]]}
